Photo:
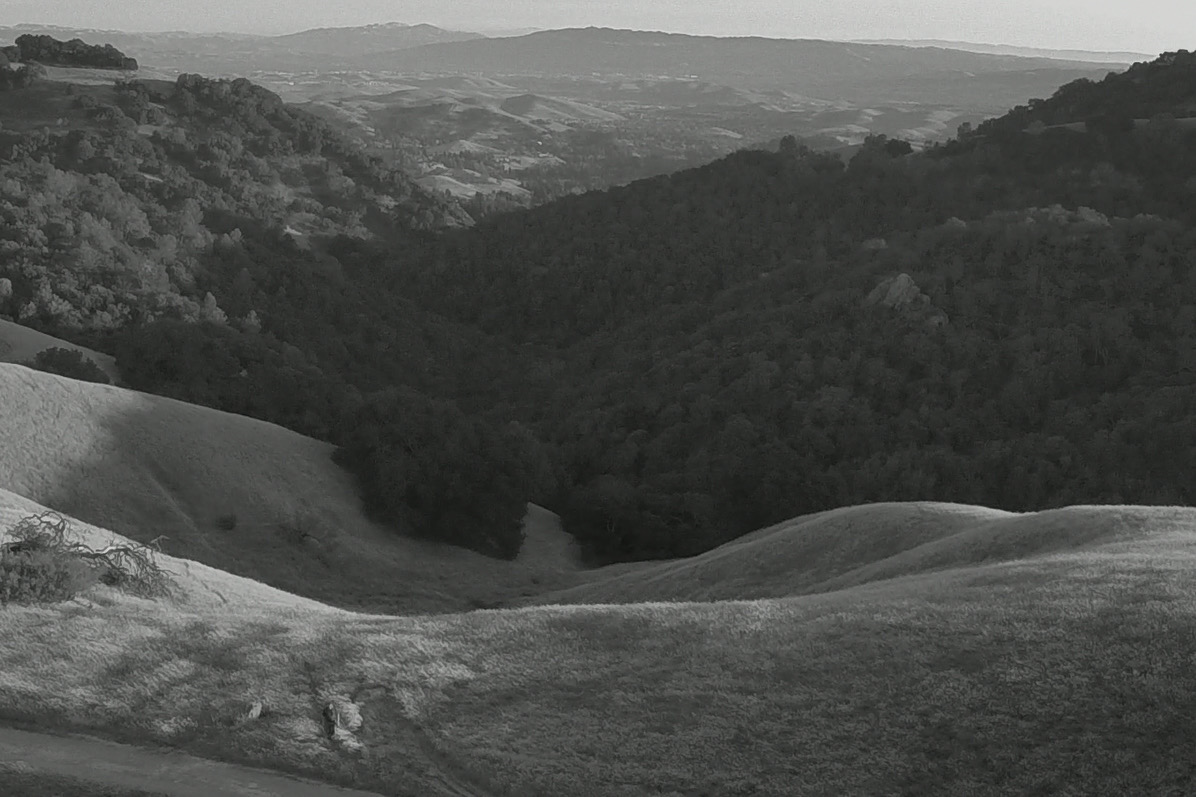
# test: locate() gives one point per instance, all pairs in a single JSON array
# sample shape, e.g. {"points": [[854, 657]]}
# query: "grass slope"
{"points": [[1055, 658], [240, 495], [857, 545], [790, 558], [20, 343]]}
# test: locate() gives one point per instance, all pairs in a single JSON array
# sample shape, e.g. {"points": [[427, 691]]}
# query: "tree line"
{"points": [[669, 364]]}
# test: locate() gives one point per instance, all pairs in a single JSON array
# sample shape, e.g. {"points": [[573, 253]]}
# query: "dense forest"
{"points": [[49, 51], [668, 364]]}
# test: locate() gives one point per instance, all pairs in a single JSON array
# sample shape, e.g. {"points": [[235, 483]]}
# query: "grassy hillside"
{"points": [[241, 495], [791, 558], [1062, 669], [843, 548]]}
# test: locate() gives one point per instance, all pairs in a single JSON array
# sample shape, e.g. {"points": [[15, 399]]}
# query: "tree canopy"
{"points": [[668, 364]]}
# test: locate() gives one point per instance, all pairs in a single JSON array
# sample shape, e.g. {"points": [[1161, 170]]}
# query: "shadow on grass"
{"points": [[236, 494]]}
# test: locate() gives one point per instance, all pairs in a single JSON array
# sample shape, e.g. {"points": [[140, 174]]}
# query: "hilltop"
{"points": [[1148, 89], [1095, 56], [846, 548], [831, 70], [348, 42]]}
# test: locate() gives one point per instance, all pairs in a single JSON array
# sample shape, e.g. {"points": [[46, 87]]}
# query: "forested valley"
{"points": [[1007, 319]]}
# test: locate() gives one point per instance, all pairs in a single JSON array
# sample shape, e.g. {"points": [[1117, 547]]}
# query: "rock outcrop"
{"points": [[902, 294], [342, 718]]}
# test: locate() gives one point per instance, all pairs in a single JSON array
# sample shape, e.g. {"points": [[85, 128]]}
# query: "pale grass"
{"points": [[841, 548], [1070, 669], [789, 558], [145, 466]]}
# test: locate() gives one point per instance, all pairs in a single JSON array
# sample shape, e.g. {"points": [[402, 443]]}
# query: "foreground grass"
{"points": [[18, 782], [1067, 673]]}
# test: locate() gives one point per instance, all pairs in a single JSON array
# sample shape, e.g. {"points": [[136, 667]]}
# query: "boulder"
{"points": [[901, 293], [896, 292], [342, 718]]}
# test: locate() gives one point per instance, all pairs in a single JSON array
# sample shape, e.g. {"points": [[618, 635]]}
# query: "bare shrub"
{"points": [[41, 563]]}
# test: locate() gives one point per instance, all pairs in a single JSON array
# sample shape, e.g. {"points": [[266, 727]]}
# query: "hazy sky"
{"points": [[1140, 25]]}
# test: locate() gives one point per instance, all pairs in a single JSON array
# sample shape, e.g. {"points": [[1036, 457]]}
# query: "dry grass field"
{"points": [[1065, 671], [243, 496], [892, 649]]}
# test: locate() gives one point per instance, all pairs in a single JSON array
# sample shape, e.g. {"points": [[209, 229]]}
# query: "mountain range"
{"points": [[1095, 56], [832, 70]]}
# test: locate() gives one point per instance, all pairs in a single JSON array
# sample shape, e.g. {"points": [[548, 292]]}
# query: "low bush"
{"points": [[43, 576], [69, 363]]}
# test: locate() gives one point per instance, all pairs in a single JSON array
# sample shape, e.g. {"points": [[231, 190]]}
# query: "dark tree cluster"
{"points": [[51, 52], [19, 77], [70, 363]]}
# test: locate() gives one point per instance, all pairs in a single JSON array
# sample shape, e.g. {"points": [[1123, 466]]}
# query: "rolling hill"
{"points": [[840, 549], [832, 70], [352, 41], [951, 674], [241, 495], [116, 156], [1095, 56]]}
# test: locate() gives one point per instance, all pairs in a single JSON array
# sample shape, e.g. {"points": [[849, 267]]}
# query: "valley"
{"points": [[850, 460]]}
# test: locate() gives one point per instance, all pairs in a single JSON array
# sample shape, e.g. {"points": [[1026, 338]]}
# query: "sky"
{"points": [[1149, 26]]}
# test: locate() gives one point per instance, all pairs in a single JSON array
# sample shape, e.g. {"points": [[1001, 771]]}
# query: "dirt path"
{"points": [[175, 773]]}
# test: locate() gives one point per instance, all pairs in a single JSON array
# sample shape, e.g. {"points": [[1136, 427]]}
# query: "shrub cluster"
{"points": [[76, 52], [69, 363], [40, 563]]}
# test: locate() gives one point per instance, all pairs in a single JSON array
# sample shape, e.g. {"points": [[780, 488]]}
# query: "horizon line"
{"points": [[519, 31]]}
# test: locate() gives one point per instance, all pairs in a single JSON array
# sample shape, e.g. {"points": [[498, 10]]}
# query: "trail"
{"points": [[175, 773]]}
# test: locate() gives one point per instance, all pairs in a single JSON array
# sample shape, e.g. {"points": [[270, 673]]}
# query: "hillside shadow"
{"points": [[242, 496]]}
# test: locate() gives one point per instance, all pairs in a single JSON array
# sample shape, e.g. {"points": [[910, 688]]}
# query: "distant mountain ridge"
{"points": [[241, 53], [1095, 56], [370, 38], [825, 67], [49, 51]]}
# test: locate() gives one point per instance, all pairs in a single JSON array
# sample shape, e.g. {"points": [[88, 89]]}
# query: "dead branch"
{"points": [[132, 568]]}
